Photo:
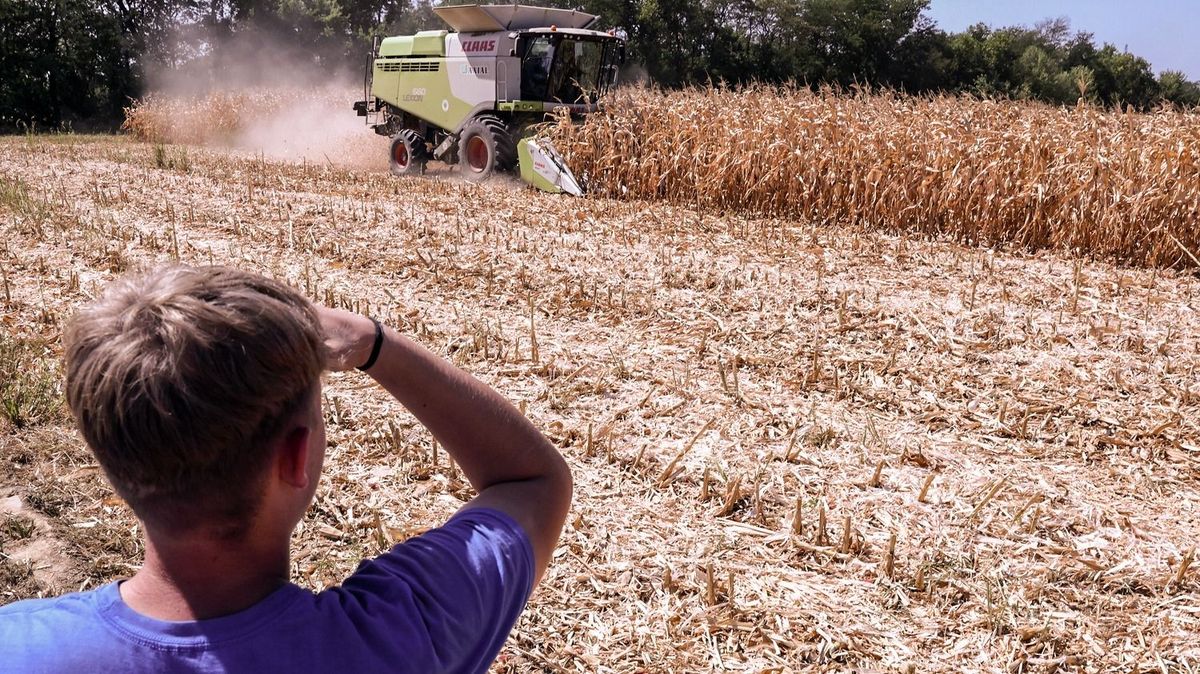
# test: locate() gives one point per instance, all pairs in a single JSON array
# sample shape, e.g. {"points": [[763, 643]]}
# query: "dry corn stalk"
{"points": [[217, 117], [1080, 179]]}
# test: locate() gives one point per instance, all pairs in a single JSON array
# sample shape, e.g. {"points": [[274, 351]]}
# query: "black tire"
{"points": [[485, 147], [408, 154]]}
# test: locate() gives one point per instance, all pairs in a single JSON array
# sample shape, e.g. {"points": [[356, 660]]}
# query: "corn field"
{"points": [[213, 118], [1079, 180], [313, 124]]}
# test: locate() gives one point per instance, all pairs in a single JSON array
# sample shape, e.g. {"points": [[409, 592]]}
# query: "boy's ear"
{"points": [[292, 458]]}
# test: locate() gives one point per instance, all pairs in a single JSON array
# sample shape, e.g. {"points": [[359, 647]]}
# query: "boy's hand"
{"points": [[348, 338]]}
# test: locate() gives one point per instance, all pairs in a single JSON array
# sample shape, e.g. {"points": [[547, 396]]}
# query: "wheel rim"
{"points": [[477, 154], [400, 155]]}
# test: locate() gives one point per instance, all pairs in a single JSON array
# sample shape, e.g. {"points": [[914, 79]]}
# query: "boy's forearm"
{"points": [[512, 466], [491, 440]]}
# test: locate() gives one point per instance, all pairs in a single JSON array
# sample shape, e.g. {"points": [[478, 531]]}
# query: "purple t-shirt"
{"points": [[444, 601]]}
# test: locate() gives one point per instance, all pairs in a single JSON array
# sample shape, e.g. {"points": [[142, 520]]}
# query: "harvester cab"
{"points": [[469, 95]]}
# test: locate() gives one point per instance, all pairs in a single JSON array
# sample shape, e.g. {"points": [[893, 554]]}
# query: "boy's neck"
{"points": [[199, 578]]}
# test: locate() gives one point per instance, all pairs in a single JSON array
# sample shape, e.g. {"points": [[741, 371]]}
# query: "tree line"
{"points": [[78, 63]]}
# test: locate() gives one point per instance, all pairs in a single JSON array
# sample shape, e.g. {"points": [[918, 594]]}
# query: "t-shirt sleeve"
{"points": [[453, 593]]}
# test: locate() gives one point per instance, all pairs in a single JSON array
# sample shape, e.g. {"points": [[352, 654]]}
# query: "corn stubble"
{"points": [[1083, 180]]}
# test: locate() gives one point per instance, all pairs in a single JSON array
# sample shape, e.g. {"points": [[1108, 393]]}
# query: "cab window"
{"points": [[535, 67]]}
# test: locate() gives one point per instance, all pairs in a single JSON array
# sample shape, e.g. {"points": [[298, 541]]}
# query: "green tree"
{"points": [[1175, 87], [923, 60], [1041, 76], [1124, 79], [856, 40], [675, 40], [64, 63]]}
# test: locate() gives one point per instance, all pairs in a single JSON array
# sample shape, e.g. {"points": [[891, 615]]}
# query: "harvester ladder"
{"points": [[501, 81], [368, 76]]}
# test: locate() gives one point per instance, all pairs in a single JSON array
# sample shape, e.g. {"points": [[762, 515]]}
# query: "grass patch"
{"points": [[105, 550], [14, 194], [72, 138], [172, 159], [50, 499], [16, 580], [16, 528], [30, 384], [17, 197]]}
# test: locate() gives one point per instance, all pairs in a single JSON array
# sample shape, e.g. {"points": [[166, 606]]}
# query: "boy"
{"points": [[198, 390]]}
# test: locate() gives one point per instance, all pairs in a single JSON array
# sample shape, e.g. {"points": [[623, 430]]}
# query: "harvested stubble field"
{"points": [[796, 446]]}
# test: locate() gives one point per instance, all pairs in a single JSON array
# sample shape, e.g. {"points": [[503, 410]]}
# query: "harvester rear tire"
{"points": [[485, 146], [408, 154]]}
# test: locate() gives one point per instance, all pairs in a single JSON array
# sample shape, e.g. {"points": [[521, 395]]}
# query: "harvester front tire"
{"points": [[408, 154], [485, 147]]}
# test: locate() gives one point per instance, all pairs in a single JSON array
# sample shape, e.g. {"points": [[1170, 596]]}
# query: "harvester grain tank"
{"points": [[468, 95]]}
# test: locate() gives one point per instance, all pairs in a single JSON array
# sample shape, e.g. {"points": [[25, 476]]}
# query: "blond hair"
{"points": [[179, 379]]}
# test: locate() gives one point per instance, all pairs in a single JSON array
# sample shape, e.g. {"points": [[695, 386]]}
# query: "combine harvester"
{"points": [[469, 96]]}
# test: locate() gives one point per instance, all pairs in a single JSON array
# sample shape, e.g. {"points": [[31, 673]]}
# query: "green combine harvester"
{"points": [[468, 96]]}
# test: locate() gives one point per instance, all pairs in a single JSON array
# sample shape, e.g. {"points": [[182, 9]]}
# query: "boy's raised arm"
{"points": [[512, 466]]}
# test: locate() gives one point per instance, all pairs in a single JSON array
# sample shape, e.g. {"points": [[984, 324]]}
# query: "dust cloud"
{"points": [[315, 126], [255, 94]]}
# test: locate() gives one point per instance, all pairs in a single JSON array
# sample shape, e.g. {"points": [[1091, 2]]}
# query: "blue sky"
{"points": [[1164, 32]]}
